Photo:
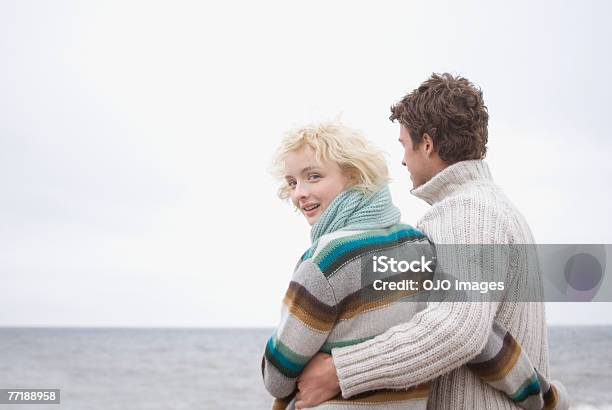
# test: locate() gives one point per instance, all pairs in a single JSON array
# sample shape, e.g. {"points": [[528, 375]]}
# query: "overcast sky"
{"points": [[135, 140]]}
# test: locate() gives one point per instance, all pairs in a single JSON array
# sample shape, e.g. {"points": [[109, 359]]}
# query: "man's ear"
{"points": [[428, 144]]}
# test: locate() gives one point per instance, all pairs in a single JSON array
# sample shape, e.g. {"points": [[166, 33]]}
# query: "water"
{"points": [[154, 369]]}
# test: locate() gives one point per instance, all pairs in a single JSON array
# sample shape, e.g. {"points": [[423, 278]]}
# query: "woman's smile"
{"points": [[311, 209]]}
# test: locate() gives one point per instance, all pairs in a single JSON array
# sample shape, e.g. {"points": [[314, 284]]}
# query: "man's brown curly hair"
{"points": [[451, 110]]}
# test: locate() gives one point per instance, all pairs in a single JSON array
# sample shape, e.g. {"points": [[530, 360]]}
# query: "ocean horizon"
{"points": [[154, 368]]}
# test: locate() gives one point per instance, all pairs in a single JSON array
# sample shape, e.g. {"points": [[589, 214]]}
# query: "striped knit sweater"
{"points": [[328, 306], [437, 343]]}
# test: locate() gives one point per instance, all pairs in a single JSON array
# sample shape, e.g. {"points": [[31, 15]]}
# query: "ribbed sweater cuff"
{"points": [[352, 368]]}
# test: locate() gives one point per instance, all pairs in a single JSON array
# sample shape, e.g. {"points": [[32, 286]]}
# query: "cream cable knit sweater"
{"points": [[467, 208]]}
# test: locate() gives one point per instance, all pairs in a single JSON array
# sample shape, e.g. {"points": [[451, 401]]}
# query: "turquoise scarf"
{"points": [[354, 210]]}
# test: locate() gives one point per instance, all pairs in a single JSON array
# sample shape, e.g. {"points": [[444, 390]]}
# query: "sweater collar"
{"points": [[450, 179]]}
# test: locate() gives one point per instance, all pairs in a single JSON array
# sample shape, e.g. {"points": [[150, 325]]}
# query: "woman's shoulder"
{"points": [[335, 249]]}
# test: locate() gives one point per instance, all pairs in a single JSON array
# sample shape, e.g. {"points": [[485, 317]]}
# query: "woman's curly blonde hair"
{"points": [[363, 163]]}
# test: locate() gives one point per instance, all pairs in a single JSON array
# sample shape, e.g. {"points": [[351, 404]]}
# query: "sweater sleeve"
{"points": [[445, 335], [307, 316]]}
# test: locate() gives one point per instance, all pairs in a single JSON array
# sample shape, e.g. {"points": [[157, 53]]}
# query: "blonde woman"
{"points": [[338, 181]]}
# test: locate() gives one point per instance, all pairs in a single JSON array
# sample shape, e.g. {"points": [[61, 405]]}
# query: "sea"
{"points": [[155, 369]]}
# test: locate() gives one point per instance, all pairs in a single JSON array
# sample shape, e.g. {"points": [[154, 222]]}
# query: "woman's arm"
{"points": [[308, 315]]}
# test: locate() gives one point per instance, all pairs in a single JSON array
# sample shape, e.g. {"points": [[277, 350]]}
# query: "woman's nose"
{"points": [[301, 191]]}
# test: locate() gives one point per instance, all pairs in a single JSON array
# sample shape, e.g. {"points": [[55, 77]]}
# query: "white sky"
{"points": [[135, 139]]}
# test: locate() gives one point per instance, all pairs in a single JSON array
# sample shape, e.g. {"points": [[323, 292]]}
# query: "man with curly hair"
{"points": [[443, 131]]}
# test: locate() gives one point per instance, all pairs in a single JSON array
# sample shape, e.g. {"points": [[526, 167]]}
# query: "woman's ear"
{"points": [[350, 174]]}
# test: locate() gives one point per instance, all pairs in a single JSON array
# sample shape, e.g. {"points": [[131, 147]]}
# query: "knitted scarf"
{"points": [[353, 210]]}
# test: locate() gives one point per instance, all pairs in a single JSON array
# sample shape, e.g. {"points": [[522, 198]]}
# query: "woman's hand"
{"points": [[318, 382]]}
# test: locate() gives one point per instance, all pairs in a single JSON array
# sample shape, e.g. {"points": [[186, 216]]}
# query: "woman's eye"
{"points": [[291, 184], [313, 177]]}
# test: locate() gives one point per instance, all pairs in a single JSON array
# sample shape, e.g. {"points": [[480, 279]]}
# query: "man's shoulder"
{"points": [[481, 197], [481, 208]]}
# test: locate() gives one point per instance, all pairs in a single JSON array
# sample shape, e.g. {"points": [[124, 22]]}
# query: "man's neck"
{"points": [[450, 178]]}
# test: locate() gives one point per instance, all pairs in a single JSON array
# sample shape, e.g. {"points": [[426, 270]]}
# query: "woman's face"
{"points": [[313, 184]]}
